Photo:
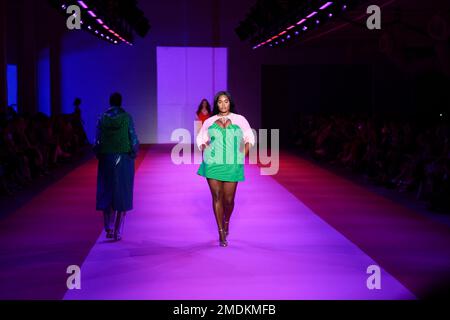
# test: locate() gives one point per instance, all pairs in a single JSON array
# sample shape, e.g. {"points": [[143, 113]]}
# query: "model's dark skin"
{"points": [[223, 192]]}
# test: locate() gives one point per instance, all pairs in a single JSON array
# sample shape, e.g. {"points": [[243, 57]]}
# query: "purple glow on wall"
{"points": [[12, 84], [186, 75], [44, 82]]}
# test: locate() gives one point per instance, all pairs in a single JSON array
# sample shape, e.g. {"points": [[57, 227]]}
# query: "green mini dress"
{"points": [[224, 158]]}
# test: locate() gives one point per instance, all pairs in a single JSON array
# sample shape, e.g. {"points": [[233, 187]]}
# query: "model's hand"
{"points": [[205, 145], [244, 147]]}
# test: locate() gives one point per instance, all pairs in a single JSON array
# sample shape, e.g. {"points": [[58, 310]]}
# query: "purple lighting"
{"points": [[83, 4], [312, 14], [301, 21], [92, 14], [326, 5], [100, 21]]}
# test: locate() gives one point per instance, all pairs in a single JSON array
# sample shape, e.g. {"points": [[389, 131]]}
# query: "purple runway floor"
{"points": [[278, 248]]}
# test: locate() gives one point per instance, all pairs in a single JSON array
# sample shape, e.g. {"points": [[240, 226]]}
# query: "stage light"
{"points": [[268, 20], [92, 14], [326, 5], [82, 4], [100, 21]]}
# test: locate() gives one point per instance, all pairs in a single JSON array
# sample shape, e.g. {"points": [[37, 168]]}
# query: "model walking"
{"points": [[116, 147], [225, 139]]}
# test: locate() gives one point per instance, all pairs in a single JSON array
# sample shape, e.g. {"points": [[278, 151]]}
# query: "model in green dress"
{"points": [[225, 139]]}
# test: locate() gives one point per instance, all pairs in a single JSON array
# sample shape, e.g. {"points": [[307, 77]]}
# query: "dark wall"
{"points": [[78, 58], [30, 28]]}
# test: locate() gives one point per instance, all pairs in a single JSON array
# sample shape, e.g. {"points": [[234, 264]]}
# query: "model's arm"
{"points": [[133, 138], [203, 136], [97, 141], [247, 148], [248, 136]]}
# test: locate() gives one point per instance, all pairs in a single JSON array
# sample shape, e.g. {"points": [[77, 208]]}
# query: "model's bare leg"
{"points": [[229, 192], [216, 188]]}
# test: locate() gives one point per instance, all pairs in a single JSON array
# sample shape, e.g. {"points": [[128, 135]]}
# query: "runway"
{"points": [[280, 245]]}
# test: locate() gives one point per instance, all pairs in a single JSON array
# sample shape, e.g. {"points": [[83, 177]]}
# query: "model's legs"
{"points": [[229, 191], [120, 220], [216, 188], [109, 216]]}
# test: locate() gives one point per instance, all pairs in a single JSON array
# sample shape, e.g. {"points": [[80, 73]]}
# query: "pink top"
{"points": [[235, 119]]}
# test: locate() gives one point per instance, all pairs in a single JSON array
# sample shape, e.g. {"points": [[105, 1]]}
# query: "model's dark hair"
{"points": [[77, 101], [208, 107], [216, 100], [115, 100]]}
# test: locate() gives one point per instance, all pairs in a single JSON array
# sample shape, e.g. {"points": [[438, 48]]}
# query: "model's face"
{"points": [[223, 104], [204, 104]]}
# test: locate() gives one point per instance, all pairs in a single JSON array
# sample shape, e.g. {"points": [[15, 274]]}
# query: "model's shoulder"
{"points": [[239, 117], [210, 120]]}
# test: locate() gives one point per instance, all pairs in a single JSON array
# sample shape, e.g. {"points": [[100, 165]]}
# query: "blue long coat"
{"points": [[115, 174]]}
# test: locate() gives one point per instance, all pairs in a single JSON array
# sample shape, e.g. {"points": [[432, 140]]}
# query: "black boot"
{"points": [[120, 219], [109, 217]]}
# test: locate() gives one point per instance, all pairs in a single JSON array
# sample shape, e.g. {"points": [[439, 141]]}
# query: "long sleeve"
{"points": [[133, 138], [247, 132], [98, 133], [203, 136]]}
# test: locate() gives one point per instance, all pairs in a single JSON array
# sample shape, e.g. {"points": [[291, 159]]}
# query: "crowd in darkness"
{"points": [[410, 155], [31, 146]]}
